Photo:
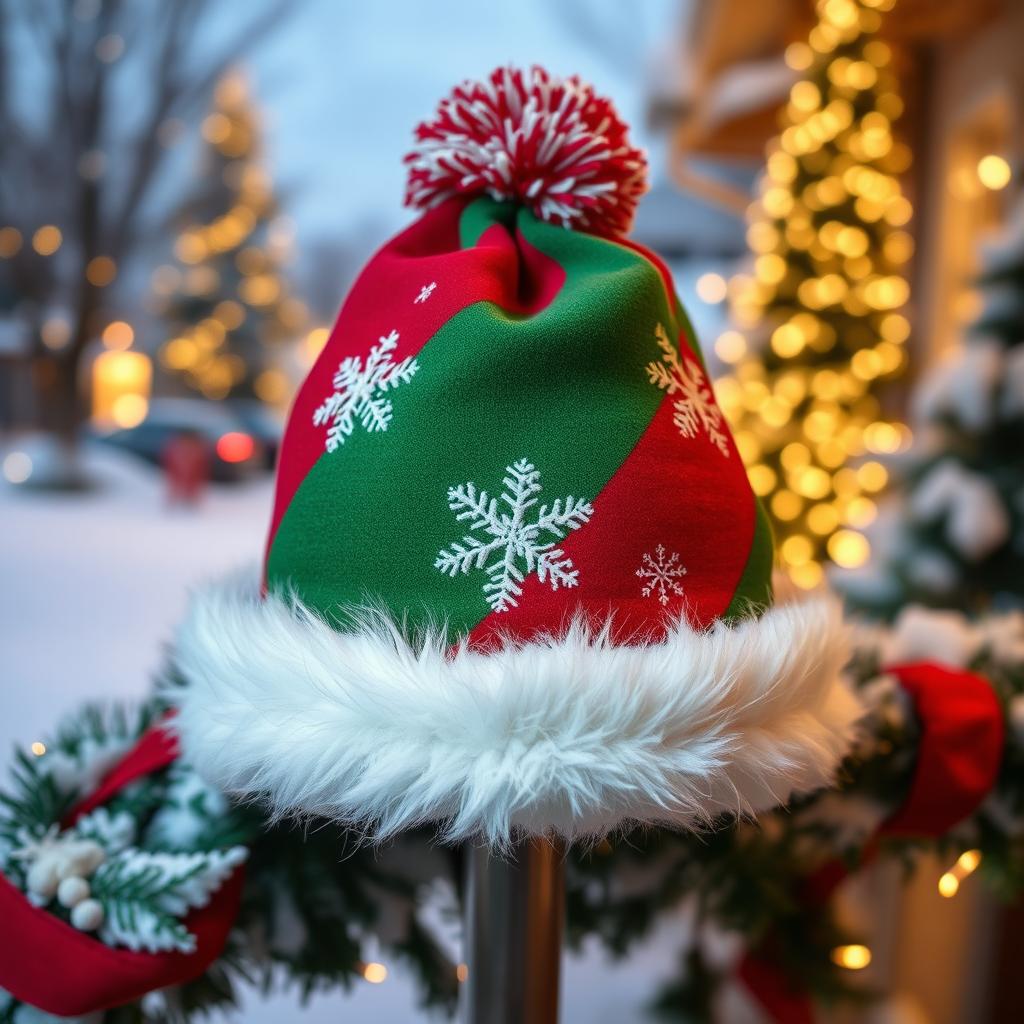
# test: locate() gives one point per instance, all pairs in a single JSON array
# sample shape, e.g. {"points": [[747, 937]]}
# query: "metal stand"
{"points": [[514, 911]]}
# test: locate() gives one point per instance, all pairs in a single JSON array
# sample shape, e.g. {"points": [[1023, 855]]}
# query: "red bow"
{"points": [[959, 752], [52, 966]]}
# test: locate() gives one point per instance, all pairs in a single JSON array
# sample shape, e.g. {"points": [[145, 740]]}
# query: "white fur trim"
{"points": [[572, 735]]}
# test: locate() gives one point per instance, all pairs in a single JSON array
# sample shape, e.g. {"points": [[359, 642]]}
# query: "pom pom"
{"points": [[546, 142]]}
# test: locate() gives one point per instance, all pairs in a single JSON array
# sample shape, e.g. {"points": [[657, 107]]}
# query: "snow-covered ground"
{"points": [[92, 586]]}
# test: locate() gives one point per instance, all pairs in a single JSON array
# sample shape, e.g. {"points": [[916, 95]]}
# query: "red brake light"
{"points": [[235, 447]]}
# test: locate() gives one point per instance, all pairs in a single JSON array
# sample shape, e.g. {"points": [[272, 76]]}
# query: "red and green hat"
{"points": [[516, 577]]}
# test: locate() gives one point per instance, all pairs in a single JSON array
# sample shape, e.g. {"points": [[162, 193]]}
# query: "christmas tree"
{"points": [[953, 535], [820, 312], [227, 304]]}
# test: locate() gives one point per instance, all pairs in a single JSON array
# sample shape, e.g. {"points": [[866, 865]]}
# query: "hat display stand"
{"points": [[513, 933]]}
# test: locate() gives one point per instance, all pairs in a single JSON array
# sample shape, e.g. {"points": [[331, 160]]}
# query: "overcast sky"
{"points": [[343, 83]]}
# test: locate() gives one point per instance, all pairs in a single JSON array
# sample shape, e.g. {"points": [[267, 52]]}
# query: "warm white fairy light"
{"points": [[829, 246], [967, 863], [854, 957]]}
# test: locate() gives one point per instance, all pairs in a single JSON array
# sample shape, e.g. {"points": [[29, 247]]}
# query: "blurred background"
{"points": [[187, 190]]}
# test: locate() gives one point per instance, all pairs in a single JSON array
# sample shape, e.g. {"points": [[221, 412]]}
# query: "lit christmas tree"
{"points": [[227, 303], [819, 317], [952, 533]]}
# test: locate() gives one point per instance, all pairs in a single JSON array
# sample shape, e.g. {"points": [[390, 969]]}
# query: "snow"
{"points": [[511, 537], [976, 522], [961, 386], [924, 634], [93, 585]]}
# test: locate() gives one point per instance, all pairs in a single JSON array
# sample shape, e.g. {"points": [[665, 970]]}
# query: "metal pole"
{"points": [[514, 911]]}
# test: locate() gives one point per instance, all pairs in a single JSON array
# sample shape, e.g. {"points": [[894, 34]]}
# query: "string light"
{"points": [[853, 957], [315, 342], [711, 288], [10, 242], [100, 271], [461, 972], [47, 240], [994, 172], [967, 863], [375, 973], [118, 335], [821, 311], [247, 240], [38, 748]]}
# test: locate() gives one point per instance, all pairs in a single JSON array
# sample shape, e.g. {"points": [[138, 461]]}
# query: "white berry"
{"points": [[87, 915], [72, 891], [42, 878]]}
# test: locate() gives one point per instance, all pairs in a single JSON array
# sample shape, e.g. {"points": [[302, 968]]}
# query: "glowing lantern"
{"points": [[121, 382]]}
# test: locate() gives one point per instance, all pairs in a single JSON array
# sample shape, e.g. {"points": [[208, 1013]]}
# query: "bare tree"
{"points": [[86, 113]]}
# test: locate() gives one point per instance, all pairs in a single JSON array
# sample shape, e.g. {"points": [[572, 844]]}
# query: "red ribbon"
{"points": [[50, 965], [959, 752]]}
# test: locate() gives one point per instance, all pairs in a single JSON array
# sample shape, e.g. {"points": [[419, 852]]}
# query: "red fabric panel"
{"points": [[679, 492], [499, 268]]}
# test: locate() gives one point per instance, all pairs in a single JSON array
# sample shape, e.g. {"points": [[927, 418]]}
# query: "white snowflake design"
{"points": [[425, 292], [514, 541], [662, 575], [695, 409], [360, 392]]}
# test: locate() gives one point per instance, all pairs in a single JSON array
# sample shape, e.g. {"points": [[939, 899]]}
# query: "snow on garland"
{"points": [[119, 870], [316, 906], [547, 142]]}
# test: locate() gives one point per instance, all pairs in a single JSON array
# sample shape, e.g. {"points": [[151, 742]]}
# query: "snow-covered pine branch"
{"points": [[144, 894]]}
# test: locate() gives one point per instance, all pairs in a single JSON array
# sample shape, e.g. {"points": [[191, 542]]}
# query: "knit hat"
{"points": [[516, 577]]}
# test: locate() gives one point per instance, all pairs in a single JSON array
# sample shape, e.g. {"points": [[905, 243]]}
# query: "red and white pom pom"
{"points": [[546, 142]]}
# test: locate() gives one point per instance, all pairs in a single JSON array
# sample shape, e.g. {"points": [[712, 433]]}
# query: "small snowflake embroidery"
{"points": [[695, 409], [425, 292], [512, 544], [360, 392], [661, 575]]}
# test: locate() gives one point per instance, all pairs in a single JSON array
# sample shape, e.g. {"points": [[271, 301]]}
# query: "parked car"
{"points": [[236, 449], [264, 425]]}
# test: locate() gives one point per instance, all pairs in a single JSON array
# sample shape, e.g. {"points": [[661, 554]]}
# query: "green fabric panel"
{"points": [[563, 387], [754, 591]]}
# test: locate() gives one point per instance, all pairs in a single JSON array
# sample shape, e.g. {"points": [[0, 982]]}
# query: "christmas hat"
{"points": [[516, 577]]}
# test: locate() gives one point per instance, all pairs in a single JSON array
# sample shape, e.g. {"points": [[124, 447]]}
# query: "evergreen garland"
{"points": [[318, 900]]}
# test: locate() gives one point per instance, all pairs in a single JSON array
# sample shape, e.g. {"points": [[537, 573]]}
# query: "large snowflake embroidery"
{"points": [[661, 575], [513, 544], [695, 409], [360, 392]]}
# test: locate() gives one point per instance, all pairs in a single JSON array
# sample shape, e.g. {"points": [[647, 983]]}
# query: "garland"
{"points": [[318, 907], [152, 842]]}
